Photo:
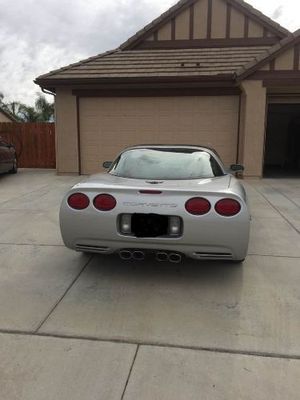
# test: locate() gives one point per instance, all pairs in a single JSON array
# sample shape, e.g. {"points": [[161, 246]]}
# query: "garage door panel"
{"points": [[107, 125]]}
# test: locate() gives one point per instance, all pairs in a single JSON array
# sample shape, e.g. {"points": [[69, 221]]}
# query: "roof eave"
{"points": [[47, 83]]}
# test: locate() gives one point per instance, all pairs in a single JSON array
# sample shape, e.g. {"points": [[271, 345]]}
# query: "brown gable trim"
{"points": [[209, 19], [204, 43], [246, 27], [269, 56], [296, 57], [280, 76], [173, 29], [242, 6], [218, 91]]}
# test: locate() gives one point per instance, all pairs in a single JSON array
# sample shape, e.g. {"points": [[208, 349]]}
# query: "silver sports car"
{"points": [[169, 200]]}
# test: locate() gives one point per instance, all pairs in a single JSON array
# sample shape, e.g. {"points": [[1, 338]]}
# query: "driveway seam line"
{"points": [[25, 194], [273, 256], [62, 297], [283, 194], [130, 371], [32, 244], [276, 209], [153, 344]]}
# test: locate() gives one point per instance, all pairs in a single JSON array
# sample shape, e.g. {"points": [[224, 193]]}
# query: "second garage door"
{"points": [[107, 125]]}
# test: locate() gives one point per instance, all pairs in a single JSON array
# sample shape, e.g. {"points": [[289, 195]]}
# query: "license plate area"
{"points": [[150, 225]]}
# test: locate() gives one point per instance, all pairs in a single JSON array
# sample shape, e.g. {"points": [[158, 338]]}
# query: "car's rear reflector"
{"points": [[197, 206], [228, 207], [78, 201], [150, 191], [105, 202]]}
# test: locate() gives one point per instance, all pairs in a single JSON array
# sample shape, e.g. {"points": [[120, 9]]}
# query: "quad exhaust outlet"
{"points": [[139, 255], [162, 256]]}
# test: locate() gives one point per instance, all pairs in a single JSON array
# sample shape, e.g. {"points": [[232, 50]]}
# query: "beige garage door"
{"points": [[107, 125]]}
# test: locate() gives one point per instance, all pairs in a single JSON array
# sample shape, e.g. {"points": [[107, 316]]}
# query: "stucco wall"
{"points": [[219, 17], [200, 15], [285, 61], [66, 131], [182, 28], [252, 127]]}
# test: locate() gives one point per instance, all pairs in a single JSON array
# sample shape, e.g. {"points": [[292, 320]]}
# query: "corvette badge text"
{"points": [[139, 204]]}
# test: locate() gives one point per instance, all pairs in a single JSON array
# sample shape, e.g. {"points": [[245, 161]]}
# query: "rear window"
{"points": [[165, 163]]}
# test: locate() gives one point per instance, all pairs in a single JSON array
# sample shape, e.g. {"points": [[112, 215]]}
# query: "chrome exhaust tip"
{"points": [[125, 255], [161, 256], [175, 258], [138, 255]]}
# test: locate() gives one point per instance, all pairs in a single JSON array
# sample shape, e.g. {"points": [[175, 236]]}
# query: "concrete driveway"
{"points": [[93, 327]]}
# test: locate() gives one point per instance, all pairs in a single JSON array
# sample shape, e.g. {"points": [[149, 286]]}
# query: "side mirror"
{"points": [[107, 164], [236, 168]]}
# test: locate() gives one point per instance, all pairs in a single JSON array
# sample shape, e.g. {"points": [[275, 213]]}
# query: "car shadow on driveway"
{"points": [[188, 270]]}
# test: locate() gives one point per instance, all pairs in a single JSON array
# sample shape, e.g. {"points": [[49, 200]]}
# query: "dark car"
{"points": [[8, 157]]}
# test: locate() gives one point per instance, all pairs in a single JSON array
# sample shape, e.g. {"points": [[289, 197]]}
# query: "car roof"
{"points": [[189, 146]]}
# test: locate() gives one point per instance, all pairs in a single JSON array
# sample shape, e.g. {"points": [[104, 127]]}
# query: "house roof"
{"points": [[8, 114], [158, 63], [182, 4], [213, 63]]}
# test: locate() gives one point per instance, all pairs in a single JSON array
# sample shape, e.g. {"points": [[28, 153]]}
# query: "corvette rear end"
{"points": [[203, 217]]}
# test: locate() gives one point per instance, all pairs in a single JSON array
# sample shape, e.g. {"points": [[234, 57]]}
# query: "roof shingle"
{"points": [[154, 63]]}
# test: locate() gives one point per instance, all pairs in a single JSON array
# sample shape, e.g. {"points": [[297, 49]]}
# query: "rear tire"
{"points": [[14, 169], [238, 261]]}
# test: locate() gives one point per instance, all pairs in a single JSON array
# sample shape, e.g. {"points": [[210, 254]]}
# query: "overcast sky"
{"points": [[37, 36]]}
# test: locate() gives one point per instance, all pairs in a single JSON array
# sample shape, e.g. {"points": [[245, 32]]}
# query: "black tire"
{"points": [[14, 169], [238, 261]]}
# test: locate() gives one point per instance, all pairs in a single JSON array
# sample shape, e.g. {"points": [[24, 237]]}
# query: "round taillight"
{"points": [[197, 206], [105, 202], [78, 201], [228, 207]]}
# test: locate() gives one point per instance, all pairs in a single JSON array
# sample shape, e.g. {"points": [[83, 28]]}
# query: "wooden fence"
{"points": [[34, 142]]}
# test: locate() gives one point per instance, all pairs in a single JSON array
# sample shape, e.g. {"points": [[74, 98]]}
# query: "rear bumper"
{"points": [[219, 241], [195, 251]]}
